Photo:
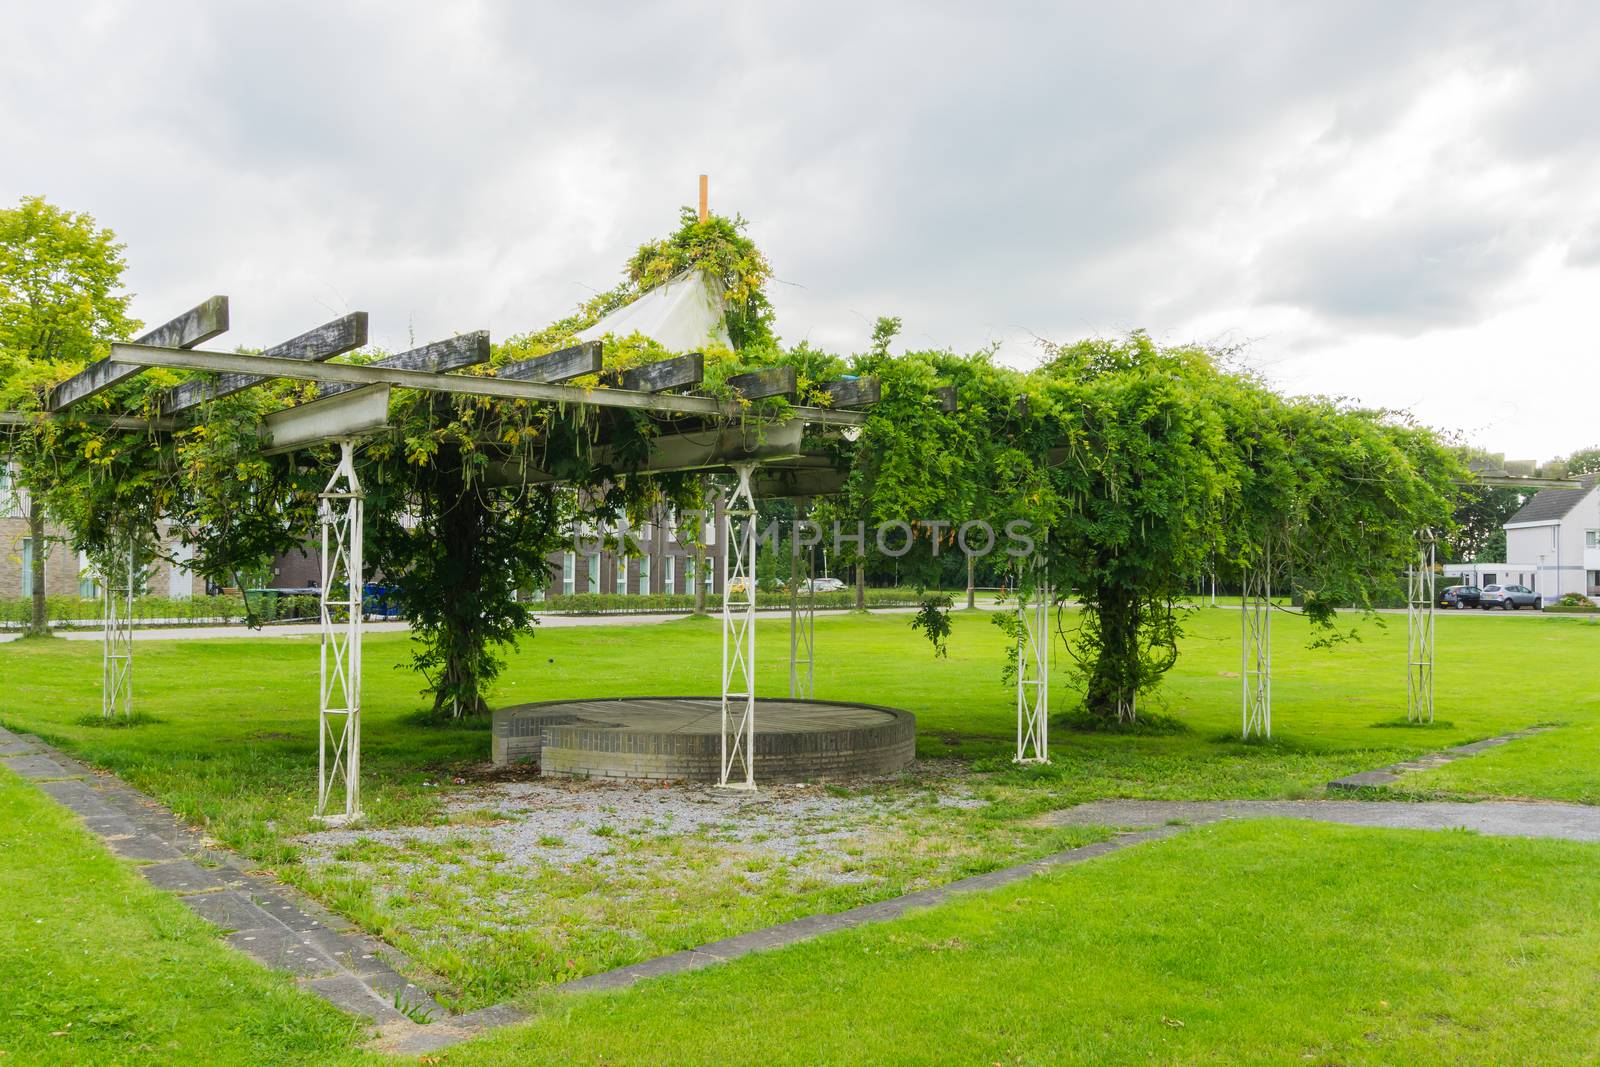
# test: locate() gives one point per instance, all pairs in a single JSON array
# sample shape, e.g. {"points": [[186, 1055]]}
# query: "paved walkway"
{"points": [[1570, 822]]}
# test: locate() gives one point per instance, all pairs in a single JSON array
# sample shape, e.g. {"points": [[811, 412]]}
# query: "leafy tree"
{"points": [[61, 303]]}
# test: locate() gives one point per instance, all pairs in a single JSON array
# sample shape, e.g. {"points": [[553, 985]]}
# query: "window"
{"points": [[10, 506], [1591, 539], [669, 580], [569, 573], [644, 575], [594, 572], [88, 588], [622, 574], [27, 566], [180, 579], [1488, 580]]}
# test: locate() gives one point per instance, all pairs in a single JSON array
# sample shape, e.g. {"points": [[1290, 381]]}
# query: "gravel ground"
{"points": [[564, 823]]}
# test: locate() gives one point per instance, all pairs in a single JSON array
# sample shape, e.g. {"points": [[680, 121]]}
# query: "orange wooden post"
{"points": [[705, 187]]}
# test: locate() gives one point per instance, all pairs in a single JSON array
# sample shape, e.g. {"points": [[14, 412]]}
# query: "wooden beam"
{"points": [[199, 324], [460, 384], [115, 422], [675, 452], [853, 392], [326, 341], [786, 482], [559, 366], [770, 381], [467, 350], [681, 372], [354, 413]]}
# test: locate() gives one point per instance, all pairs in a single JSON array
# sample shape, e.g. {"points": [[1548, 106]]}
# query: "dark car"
{"points": [[1460, 596], [1508, 597]]}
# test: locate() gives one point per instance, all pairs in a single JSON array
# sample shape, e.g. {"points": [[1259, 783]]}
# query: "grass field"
{"points": [[226, 736]]}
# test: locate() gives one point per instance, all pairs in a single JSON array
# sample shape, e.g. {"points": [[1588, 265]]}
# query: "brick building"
{"points": [[67, 572]]}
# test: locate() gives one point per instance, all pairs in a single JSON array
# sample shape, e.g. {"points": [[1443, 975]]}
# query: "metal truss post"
{"points": [[117, 579], [1419, 629], [1255, 611], [1033, 671], [342, 519], [739, 637], [802, 615]]}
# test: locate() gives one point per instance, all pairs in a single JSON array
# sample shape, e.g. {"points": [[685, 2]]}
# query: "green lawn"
{"points": [[1270, 942], [97, 967], [226, 736], [1240, 943]]}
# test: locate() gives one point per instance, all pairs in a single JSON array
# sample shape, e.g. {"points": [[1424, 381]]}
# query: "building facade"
{"points": [[1555, 539], [68, 573]]}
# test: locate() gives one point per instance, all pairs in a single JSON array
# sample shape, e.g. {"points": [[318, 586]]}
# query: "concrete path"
{"points": [[1389, 775], [1569, 822]]}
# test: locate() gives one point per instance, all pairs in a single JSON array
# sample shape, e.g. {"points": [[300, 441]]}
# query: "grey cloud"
{"points": [[983, 171]]}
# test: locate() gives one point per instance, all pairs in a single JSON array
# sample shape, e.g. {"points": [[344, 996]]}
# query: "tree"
{"points": [[61, 304]]}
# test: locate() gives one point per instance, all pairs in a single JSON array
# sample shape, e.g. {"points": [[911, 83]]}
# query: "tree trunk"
{"points": [[861, 586], [464, 645], [39, 620], [972, 589], [1114, 679]]}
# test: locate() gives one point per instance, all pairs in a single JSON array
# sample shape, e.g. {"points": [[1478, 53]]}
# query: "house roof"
{"points": [[1550, 505]]}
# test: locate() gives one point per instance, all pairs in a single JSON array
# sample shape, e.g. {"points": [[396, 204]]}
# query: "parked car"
{"points": [[821, 585], [1461, 596], [1509, 597]]}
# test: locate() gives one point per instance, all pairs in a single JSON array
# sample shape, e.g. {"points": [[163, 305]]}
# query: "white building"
{"points": [[1555, 538]]}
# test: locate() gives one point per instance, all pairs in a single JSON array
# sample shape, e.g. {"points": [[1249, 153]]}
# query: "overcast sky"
{"points": [[1394, 202]]}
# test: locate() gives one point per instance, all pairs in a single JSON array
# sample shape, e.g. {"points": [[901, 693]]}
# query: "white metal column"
{"points": [[739, 637], [802, 615], [1419, 630], [117, 578], [1033, 671], [1255, 611], [339, 732]]}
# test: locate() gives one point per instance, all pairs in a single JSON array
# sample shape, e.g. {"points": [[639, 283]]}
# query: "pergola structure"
{"points": [[706, 433], [1421, 604]]}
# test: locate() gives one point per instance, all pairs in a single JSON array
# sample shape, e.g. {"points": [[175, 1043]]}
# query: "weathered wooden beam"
{"points": [[769, 381], [947, 397], [785, 482], [558, 366], [199, 324], [467, 350], [115, 422], [459, 384], [681, 372], [853, 392], [334, 338], [354, 413], [676, 452]]}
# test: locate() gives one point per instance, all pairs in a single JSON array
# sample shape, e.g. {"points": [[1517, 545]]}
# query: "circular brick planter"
{"points": [[678, 738]]}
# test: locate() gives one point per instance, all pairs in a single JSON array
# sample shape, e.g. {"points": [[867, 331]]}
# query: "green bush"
{"points": [[1573, 604], [71, 611]]}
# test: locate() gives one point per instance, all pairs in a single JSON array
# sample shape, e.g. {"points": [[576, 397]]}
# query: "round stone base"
{"points": [[679, 738]]}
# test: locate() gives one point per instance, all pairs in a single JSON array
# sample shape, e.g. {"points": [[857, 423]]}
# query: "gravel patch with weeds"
{"points": [[567, 823]]}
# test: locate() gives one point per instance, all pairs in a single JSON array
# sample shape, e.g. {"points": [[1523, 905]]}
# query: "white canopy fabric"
{"points": [[682, 315]]}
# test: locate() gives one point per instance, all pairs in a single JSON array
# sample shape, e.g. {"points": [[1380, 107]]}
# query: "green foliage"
{"points": [[933, 622]]}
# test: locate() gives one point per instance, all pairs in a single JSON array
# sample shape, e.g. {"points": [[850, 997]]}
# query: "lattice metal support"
{"points": [[342, 520], [739, 637], [1255, 613], [118, 575], [1033, 672], [802, 615], [1420, 586]]}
